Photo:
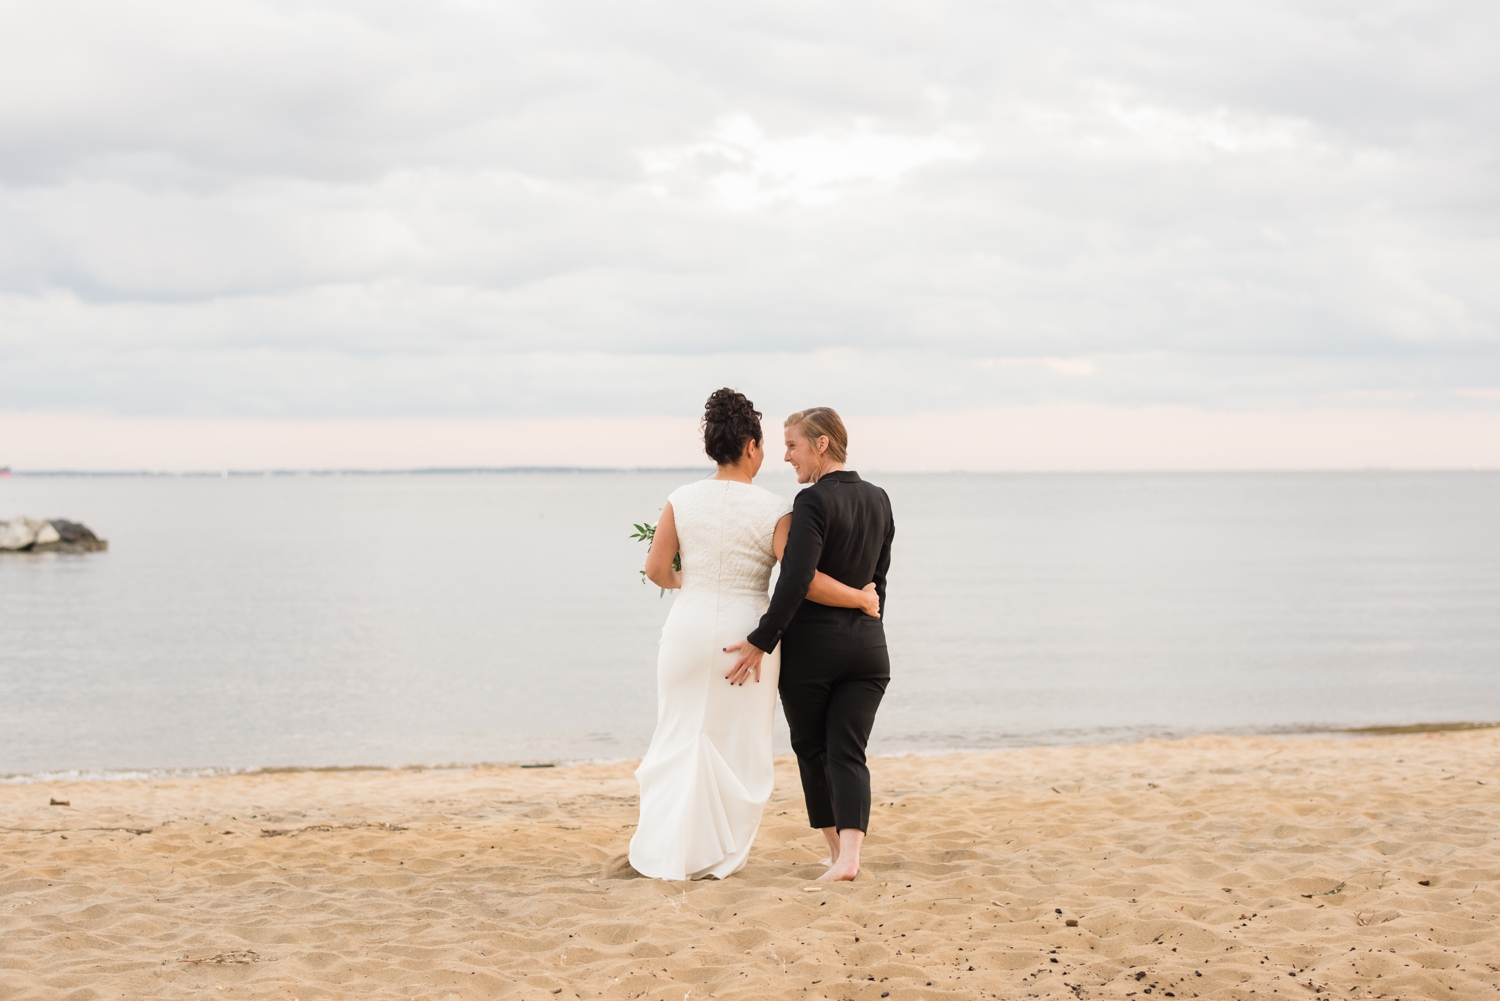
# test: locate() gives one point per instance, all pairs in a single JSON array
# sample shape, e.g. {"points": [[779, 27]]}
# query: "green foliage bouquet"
{"points": [[647, 534]]}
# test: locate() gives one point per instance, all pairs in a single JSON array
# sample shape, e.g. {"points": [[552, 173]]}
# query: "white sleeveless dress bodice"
{"points": [[707, 775]]}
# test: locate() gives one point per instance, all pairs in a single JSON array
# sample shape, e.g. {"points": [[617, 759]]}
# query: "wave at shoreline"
{"points": [[1137, 735]]}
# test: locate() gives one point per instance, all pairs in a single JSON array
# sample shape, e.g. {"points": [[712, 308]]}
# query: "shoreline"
{"points": [[215, 771], [1212, 867]]}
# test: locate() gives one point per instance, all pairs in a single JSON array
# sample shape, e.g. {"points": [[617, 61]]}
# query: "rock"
{"points": [[17, 534], [76, 536], [56, 536]]}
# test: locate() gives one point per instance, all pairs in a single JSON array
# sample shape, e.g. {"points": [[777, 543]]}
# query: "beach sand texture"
{"points": [[1212, 867]]}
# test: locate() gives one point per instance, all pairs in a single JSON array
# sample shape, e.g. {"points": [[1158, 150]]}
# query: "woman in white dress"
{"points": [[707, 775]]}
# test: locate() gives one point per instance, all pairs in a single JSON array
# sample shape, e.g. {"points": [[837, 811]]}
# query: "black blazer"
{"points": [[842, 526]]}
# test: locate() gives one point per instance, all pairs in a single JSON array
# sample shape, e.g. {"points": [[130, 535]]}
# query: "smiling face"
{"points": [[805, 456]]}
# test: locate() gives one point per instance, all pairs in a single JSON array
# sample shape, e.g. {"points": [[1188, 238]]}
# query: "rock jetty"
{"points": [[27, 535]]}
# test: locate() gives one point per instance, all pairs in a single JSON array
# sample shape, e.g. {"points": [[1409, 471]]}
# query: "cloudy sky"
{"points": [[321, 214]]}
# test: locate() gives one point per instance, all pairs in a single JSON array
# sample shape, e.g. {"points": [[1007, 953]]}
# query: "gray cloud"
{"points": [[525, 208]]}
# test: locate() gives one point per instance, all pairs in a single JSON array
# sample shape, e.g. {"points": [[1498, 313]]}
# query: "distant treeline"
{"points": [[454, 471]]}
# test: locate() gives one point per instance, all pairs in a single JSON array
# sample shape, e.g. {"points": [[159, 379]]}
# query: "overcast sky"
{"points": [[529, 210]]}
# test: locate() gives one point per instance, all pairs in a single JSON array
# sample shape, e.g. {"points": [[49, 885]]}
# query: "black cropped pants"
{"points": [[830, 693]]}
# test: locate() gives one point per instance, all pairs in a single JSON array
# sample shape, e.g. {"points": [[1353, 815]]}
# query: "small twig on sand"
{"points": [[237, 957], [1327, 893], [292, 832]]}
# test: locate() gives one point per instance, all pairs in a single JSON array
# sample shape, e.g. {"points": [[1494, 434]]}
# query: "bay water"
{"points": [[251, 621]]}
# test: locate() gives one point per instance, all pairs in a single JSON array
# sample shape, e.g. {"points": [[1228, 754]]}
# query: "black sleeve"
{"points": [[884, 563], [804, 547]]}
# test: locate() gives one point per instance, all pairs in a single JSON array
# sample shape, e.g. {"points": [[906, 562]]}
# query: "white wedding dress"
{"points": [[707, 775]]}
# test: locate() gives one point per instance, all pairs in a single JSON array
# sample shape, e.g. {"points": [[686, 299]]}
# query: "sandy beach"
{"points": [[1212, 867]]}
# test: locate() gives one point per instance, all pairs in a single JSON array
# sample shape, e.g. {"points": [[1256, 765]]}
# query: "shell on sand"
{"points": [[1205, 868]]}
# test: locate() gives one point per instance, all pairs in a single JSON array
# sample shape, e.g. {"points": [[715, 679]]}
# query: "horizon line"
{"points": [[416, 471], [599, 470]]}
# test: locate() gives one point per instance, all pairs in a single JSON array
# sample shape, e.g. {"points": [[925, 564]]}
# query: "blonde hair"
{"points": [[822, 422]]}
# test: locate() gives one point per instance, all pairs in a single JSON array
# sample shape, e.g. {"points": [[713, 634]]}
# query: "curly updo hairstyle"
{"points": [[729, 420]]}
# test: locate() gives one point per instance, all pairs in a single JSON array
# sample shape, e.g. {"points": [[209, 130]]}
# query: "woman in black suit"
{"points": [[834, 665]]}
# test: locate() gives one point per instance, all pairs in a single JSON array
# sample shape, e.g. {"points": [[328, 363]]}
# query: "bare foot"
{"points": [[838, 873], [845, 856]]}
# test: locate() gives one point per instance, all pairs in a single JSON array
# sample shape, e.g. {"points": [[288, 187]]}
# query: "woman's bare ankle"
{"points": [[830, 834], [845, 865]]}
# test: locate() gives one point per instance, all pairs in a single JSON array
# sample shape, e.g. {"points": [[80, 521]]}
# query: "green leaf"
{"points": [[646, 532]]}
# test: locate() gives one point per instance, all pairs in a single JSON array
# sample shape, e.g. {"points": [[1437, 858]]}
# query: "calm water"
{"points": [[321, 620]]}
